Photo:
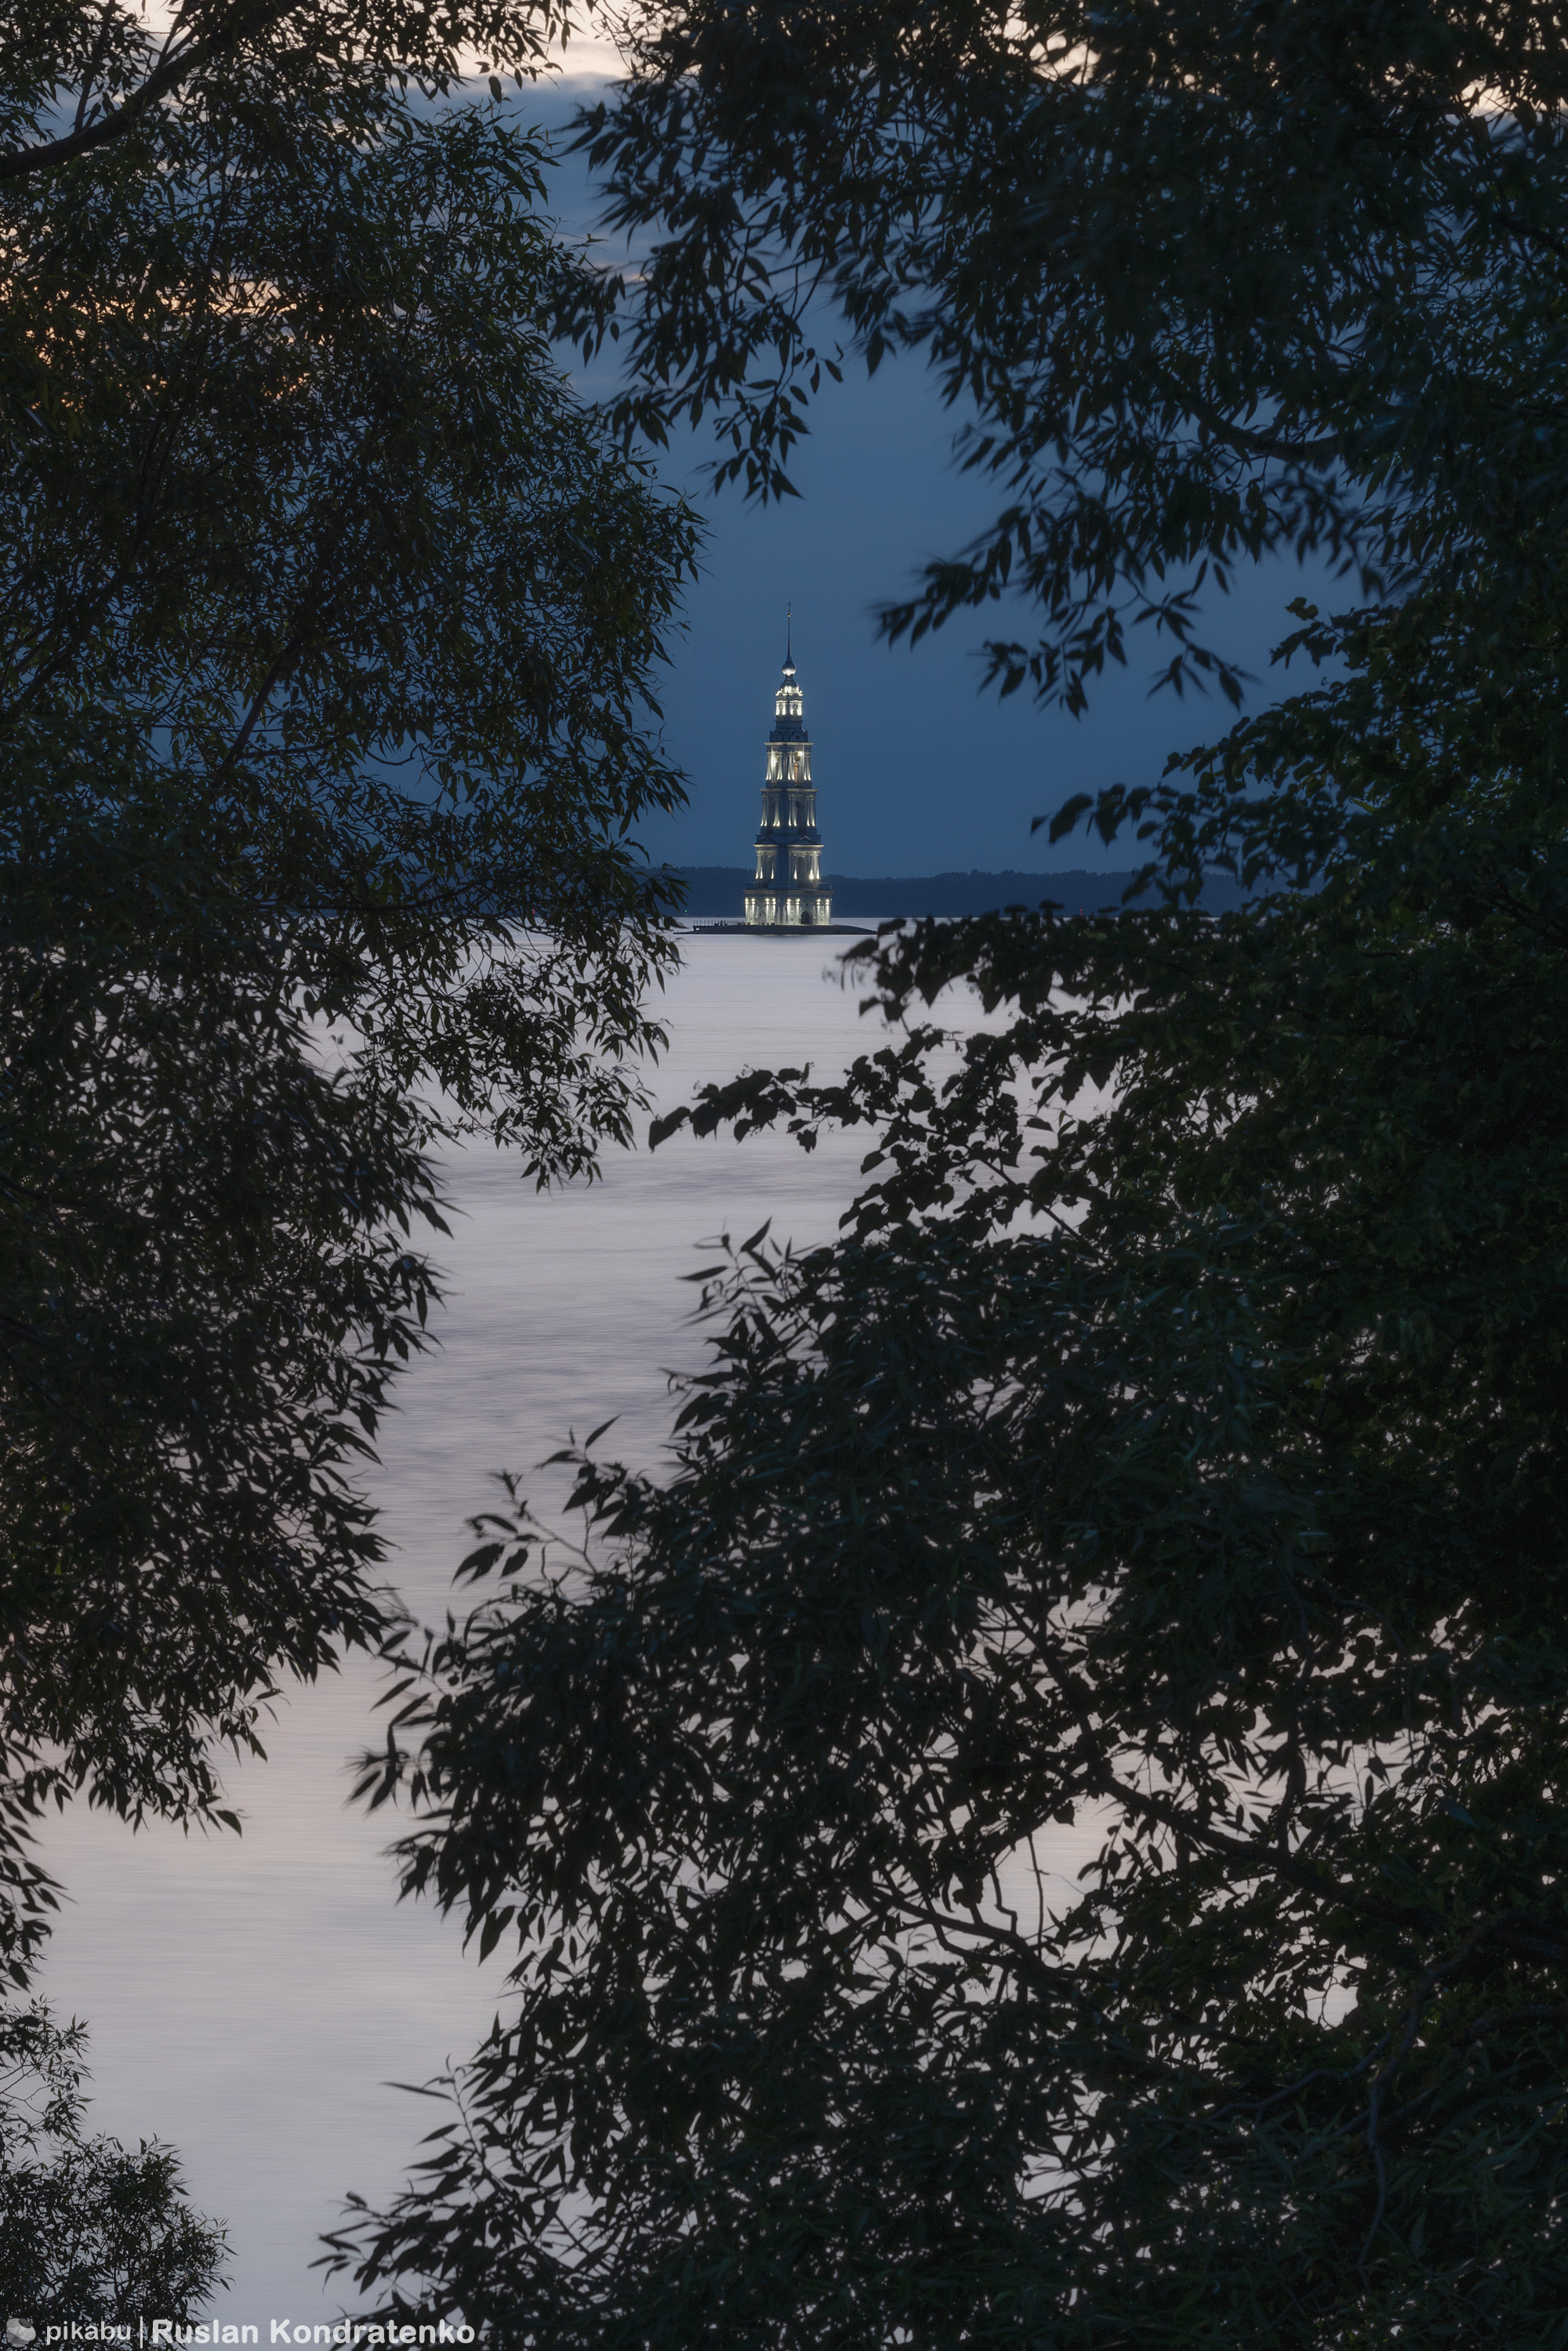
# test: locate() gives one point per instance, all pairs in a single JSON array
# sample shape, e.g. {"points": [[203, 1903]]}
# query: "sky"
{"points": [[918, 770]]}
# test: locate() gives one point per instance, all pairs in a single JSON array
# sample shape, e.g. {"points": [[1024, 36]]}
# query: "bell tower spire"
{"points": [[787, 893]]}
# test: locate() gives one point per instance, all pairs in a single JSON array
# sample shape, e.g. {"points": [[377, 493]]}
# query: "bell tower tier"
{"points": [[786, 891]]}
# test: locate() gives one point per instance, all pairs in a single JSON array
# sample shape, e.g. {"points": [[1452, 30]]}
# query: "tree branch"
{"points": [[1256, 1860], [19, 162]]}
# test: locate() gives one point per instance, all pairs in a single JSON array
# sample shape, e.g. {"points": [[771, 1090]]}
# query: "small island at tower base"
{"points": [[712, 930]]}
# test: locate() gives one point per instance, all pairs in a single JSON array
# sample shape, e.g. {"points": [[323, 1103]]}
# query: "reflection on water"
{"points": [[251, 1998]]}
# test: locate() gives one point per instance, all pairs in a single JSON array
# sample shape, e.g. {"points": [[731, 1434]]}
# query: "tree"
{"points": [[1197, 286], [90, 2232], [326, 644], [1173, 1443], [1191, 1466]]}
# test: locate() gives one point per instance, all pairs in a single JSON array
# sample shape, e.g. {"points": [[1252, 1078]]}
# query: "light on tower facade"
{"points": [[788, 889]]}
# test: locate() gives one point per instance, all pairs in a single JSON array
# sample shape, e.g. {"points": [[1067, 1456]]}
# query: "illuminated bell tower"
{"points": [[788, 891]]}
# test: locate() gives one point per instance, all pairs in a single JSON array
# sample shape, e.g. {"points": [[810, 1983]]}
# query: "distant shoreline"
{"points": [[718, 891]]}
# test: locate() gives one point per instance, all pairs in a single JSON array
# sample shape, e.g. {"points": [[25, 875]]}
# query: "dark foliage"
{"points": [[326, 622], [88, 2231], [1185, 1459], [1198, 284], [1173, 1446]]}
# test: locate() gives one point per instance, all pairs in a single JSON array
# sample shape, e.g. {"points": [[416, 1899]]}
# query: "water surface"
{"points": [[251, 1998]]}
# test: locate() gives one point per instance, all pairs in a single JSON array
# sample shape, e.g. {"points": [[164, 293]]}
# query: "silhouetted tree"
{"points": [[1175, 1443], [326, 625], [88, 2231]]}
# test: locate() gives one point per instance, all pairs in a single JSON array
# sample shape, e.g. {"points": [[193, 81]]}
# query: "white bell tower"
{"points": [[786, 891]]}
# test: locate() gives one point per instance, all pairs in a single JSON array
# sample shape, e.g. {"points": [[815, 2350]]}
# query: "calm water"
{"points": [[252, 1998]]}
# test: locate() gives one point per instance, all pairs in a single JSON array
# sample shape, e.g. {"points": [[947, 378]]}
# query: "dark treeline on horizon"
{"points": [[718, 889]]}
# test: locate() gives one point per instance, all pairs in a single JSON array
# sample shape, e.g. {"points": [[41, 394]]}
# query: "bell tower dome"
{"points": [[786, 891]]}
